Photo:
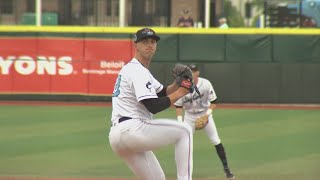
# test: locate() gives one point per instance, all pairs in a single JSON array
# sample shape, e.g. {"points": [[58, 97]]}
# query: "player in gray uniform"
{"points": [[136, 97], [196, 106]]}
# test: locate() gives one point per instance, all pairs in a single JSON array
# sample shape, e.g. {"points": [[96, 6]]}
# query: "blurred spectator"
{"points": [[308, 22], [223, 23], [77, 15], [76, 18], [185, 20]]}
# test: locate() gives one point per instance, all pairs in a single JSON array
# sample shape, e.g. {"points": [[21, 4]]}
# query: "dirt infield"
{"points": [[220, 106], [271, 106], [59, 178], [80, 178], [54, 103]]}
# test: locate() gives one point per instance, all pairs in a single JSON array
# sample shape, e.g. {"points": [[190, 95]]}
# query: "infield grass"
{"points": [[71, 141]]}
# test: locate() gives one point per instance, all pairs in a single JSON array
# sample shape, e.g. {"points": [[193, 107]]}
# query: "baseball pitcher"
{"points": [[136, 97], [198, 109]]}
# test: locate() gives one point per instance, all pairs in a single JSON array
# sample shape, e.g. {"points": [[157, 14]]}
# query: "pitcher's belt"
{"points": [[120, 120], [123, 119]]}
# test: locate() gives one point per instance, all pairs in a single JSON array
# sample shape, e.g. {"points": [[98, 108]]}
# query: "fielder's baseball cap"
{"points": [[145, 33], [193, 67]]}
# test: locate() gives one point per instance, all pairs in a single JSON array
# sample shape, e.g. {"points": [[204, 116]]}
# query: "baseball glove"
{"points": [[201, 122], [183, 76]]}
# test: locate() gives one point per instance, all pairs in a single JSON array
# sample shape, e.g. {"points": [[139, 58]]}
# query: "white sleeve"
{"points": [[179, 102], [157, 85], [144, 85], [211, 93]]}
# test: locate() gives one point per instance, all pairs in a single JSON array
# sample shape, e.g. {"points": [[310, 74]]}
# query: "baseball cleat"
{"points": [[229, 174]]}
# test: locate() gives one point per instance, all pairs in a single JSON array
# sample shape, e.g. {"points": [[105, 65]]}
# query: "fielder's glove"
{"points": [[201, 122], [183, 76]]}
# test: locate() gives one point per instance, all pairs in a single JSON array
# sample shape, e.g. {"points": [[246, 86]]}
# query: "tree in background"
{"points": [[233, 15], [259, 6]]}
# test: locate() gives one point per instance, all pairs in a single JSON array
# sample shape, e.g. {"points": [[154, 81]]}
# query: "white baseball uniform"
{"points": [[196, 106], [134, 139]]}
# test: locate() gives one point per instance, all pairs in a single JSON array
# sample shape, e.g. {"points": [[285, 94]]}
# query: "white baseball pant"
{"points": [[210, 129], [133, 140]]}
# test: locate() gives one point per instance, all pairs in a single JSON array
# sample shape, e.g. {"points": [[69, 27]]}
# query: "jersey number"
{"points": [[116, 90]]}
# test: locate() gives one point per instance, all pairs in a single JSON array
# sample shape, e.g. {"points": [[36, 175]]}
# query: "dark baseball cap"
{"points": [[193, 67], [145, 33]]}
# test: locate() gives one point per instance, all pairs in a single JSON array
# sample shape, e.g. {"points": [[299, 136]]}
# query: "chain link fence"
{"points": [[292, 13], [85, 12]]}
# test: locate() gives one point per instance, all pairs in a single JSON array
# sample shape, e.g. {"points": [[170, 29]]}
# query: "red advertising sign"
{"points": [[61, 66]]}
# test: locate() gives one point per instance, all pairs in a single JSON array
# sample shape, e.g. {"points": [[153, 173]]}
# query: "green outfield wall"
{"points": [[244, 65]]}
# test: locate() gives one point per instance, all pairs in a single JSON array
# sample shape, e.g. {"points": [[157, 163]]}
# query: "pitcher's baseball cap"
{"points": [[193, 67], [145, 33]]}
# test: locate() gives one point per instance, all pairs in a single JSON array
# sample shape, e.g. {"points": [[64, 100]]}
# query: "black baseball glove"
{"points": [[183, 76]]}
